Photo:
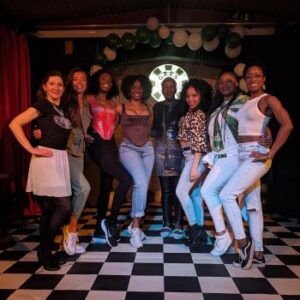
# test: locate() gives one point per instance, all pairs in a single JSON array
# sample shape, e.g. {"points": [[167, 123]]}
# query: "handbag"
{"points": [[173, 157]]}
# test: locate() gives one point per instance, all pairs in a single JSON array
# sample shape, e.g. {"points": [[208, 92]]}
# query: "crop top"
{"points": [[251, 120], [104, 119], [136, 128]]}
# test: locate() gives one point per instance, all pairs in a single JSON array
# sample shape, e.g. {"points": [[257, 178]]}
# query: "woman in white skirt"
{"points": [[49, 173]]}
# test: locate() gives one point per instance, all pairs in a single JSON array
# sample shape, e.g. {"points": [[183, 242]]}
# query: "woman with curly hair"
{"points": [[136, 150], [192, 133]]}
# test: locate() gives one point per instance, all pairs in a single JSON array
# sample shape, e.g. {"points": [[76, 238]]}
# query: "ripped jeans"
{"points": [[245, 177]]}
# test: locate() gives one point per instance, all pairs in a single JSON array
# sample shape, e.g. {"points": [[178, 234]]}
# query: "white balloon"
{"points": [[152, 23], [110, 53], [164, 32], [195, 41], [239, 29], [239, 69], [94, 69], [233, 52], [212, 45], [242, 85], [180, 38]]}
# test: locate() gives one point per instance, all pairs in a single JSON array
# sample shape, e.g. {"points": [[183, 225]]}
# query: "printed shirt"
{"points": [[192, 129], [223, 125]]}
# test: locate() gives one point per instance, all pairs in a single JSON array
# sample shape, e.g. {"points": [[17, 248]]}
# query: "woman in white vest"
{"points": [[254, 159]]}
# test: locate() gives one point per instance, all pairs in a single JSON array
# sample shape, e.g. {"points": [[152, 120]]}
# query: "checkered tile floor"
{"points": [[162, 269]]}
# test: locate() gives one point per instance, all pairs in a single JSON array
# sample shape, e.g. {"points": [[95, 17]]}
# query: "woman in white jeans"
{"points": [[223, 136], [192, 137], [254, 159]]}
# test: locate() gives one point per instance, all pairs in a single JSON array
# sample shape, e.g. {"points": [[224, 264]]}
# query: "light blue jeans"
{"points": [[192, 206], [245, 177], [79, 184], [198, 205], [138, 161]]}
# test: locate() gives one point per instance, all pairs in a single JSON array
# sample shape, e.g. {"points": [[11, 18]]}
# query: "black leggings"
{"points": [[169, 200], [105, 155], [55, 213]]}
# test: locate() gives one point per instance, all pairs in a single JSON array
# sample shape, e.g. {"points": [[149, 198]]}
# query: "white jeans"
{"points": [[216, 179], [222, 170], [193, 211], [245, 177]]}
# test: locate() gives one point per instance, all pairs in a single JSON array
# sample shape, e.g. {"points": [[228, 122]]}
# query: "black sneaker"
{"points": [[259, 262], [115, 231], [108, 235], [246, 254]]}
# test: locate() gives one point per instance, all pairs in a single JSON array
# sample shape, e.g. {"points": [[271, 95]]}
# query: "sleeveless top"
{"points": [[136, 128], [104, 119], [251, 120]]}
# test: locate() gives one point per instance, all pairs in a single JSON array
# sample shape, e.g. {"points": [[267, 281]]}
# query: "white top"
{"points": [[250, 119]]}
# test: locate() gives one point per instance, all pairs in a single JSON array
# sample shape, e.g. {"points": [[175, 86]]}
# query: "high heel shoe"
{"points": [[60, 258], [47, 261]]}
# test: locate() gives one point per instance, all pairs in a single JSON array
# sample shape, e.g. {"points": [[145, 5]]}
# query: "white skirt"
{"points": [[49, 176]]}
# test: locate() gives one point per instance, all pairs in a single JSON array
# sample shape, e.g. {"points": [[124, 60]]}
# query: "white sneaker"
{"points": [[135, 237], [222, 243], [69, 241], [143, 235], [79, 248]]}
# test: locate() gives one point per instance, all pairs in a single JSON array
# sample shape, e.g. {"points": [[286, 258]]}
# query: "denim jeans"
{"points": [[219, 175], [216, 179], [193, 211], [79, 184], [245, 176], [138, 161]]}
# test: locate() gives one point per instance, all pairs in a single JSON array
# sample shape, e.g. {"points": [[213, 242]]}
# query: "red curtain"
{"points": [[14, 97]]}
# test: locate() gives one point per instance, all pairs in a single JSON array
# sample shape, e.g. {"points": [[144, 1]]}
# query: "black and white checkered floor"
{"points": [[162, 269]]}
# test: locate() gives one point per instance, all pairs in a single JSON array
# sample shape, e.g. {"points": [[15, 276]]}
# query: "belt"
{"points": [[186, 148], [247, 139]]}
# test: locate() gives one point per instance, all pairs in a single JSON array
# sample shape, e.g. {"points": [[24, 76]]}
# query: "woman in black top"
{"points": [[166, 115], [49, 174]]}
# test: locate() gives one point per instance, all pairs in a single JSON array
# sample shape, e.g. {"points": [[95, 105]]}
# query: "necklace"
{"points": [[58, 110], [60, 119]]}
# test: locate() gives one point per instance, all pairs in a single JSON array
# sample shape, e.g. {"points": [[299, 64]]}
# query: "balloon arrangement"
{"points": [[239, 70], [153, 34]]}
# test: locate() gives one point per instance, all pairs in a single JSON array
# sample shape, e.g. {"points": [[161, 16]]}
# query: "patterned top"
{"points": [[104, 119], [223, 124], [192, 129]]}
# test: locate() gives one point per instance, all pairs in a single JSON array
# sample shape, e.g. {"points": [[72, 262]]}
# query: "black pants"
{"points": [[105, 155], [169, 201]]}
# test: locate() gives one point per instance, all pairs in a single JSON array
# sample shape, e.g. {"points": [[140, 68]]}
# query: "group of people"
{"points": [[205, 147]]}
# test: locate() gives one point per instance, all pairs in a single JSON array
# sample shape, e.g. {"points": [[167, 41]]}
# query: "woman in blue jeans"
{"points": [[136, 150], [192, 137]]}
